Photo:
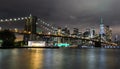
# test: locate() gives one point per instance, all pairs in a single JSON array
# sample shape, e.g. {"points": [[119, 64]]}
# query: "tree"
{"points": [[8, 38]]}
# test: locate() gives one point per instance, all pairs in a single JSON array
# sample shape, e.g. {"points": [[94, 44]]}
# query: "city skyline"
{"points": [[72, 13]]}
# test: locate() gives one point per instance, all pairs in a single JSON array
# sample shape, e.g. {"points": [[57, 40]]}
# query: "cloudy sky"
{"points": [[72, 13]]}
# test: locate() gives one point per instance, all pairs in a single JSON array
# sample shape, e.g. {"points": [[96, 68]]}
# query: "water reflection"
{"points": [[59, 58], [36, 59]]}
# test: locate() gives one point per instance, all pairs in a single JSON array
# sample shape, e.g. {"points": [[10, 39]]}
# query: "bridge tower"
{"points": [[30, 28], [59, 33]]}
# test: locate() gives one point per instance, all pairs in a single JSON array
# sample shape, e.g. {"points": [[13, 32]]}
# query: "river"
{"points": [[61, 58]]}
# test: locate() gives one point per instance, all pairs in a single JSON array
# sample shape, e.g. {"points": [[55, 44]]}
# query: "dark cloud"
{"points": [[74, 13]]}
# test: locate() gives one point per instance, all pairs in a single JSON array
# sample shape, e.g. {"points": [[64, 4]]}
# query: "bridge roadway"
{"points": [[73, 37]]}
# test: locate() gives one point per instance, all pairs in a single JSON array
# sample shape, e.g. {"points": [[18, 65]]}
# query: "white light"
{"points": [[36, 23], [6, 19], [10, 19], [49, 33], [22, 18], [36, 43], [15, 19], [25, 17], [1, 20], [18, 18]]}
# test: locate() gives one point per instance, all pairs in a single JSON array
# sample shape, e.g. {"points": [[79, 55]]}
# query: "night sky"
{"points": [[81, 14]]}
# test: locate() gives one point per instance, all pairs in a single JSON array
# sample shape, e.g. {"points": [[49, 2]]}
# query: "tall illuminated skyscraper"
{"points": [[102, 32]]}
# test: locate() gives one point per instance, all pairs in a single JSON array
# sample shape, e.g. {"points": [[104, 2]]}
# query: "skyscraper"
{"points": [[102, 32], [75, 31], [66, 31], [108, 33], [92, 32]]}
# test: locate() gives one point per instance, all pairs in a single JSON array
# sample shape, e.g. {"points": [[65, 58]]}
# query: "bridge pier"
{"points": [[97, 44]]}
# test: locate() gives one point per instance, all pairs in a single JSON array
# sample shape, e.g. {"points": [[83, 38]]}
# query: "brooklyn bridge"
{"points": [[35, 29]]}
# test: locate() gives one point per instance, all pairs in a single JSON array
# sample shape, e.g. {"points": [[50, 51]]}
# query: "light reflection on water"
{"points": [[38, 58]]}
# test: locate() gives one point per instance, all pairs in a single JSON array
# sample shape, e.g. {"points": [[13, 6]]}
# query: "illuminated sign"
{"points": [[62, 44], [37, 43]]}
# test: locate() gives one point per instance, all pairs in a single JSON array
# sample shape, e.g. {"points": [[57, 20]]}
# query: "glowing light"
{"points": [[62, 44], [1, 20], [18, 18], [6, 19], [37, 43], [49, 33], [39, 33], [25, 31], [15, 19], [10, 19], [16, 30], [29, 32], [25, 17], [22, 18], [36, 23]]}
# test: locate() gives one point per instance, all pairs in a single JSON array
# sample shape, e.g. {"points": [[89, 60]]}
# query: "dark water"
{"points": [[39, 58]]}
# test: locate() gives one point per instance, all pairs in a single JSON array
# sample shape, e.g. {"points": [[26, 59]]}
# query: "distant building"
{"points": [[102, 30], [87, 33], [75, 31], [108, 33], [0, 28], [116, 38], [92, 33], [59, 31], [80, 34], [65, 31]]}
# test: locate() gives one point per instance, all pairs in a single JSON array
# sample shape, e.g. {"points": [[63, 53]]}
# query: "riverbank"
{"points": [[26, 47]]}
